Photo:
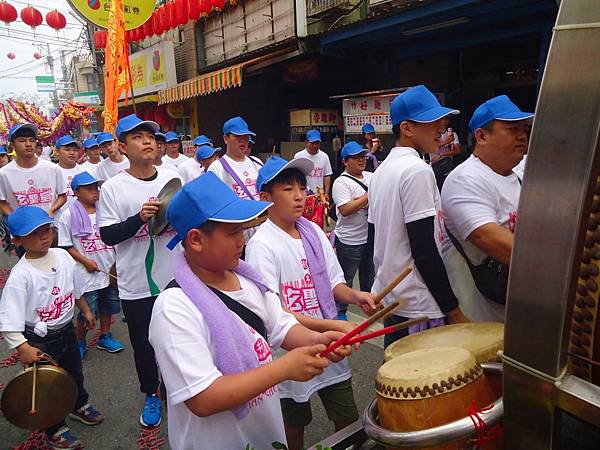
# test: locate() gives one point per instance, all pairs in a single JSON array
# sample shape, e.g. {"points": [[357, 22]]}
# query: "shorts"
{"points": [[337, 399], [106, 301]]}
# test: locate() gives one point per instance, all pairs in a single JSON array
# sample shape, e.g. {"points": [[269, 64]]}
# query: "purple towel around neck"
{"points": [[234, 351], [317, 267], [373, 159], [81, 224], [431, 323]]}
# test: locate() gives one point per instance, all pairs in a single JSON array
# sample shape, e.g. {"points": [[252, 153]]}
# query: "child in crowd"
{"points": [[161, 148], [36, 311], [173, 154], [297, 261], [67, 152], [115, 162], [28, 180], [127, 203], [214, 326], [80, 236], [92, 153], [3, 156]]}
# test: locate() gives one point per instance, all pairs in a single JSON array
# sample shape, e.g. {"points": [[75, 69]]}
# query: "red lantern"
{"points": [[31, 17], [156, 23], [171, 15], [164, 18], [148, 30], [194, 10], [205, 7], [100, 38], [181, 9], [218, 4], [8, 13], [37, 55], [160, 115], [11, 55], [56, 20]]}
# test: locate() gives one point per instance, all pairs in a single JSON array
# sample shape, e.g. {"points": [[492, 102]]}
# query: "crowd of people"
{"points": [[230, 307]]}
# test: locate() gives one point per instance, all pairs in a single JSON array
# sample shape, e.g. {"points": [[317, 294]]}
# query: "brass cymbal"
{"points": [[55, 397], [159, 222]]}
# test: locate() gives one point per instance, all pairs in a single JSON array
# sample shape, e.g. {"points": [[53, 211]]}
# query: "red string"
{"points": [[484, 435], [149, 439], [10, 361], [94, 340], [36, 440]]}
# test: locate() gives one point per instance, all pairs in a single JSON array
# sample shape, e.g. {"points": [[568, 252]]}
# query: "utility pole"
{"points": [[50, 61]]}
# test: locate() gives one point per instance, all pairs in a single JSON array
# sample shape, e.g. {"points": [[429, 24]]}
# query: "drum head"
{"points": [[56, 394], [159, 222]]}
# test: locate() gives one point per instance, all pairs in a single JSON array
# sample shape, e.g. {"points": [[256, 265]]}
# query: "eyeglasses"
{"points": [[358, 157]]}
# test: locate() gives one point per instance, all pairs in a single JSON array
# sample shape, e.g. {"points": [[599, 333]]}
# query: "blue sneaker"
{"points": [[108, 343], [62, 439], [82, 348], [150, 416]]}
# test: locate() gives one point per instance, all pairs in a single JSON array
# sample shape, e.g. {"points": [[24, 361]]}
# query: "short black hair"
{"points": [[142, 127], [396, 131], [287, 176], [207, 228], [23, 132]]}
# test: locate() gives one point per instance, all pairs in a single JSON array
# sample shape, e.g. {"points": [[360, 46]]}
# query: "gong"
{"points": [[159, 222]]}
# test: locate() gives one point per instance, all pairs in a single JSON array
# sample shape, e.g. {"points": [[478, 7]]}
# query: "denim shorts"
{"points": [[106, 301]]}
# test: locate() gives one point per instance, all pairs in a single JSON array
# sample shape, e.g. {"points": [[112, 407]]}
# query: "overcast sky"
{"points": [[17, 76]]}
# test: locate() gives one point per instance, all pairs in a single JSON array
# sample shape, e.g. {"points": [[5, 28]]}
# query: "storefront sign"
{"points": [[135, 12], [88, 98], [303, 120], [374, 110], [153, 69], [45, 83], [188, 148]]}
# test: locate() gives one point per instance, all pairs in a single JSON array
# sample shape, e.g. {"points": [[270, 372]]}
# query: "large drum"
{"points": [[482, 339], [430, 387]]}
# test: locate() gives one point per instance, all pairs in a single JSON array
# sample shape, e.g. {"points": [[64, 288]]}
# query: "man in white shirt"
{"points": [[115, 161], [321, 173], [161, 148], [173, 146], [92, 152], [479, 200], [404, 206], [193, 168], [351, 228]]}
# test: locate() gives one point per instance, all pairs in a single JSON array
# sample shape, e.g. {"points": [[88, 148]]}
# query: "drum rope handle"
{"points": [[149, 439], [484, 435]]}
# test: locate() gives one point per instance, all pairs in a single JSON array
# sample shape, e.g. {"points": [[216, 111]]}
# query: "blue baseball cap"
{"points": [[67, 139], [419, 105], [201, 140], [313, 136], [82, 179], [160, 135], [103, 137], [132, 121], [208, 198], [205, 151], [237, 126], [89, 143], [352, 148], [22, 126], [3, 150], [26, 219], [368, 128], [171, 136], [497, 108], [275, 165]]}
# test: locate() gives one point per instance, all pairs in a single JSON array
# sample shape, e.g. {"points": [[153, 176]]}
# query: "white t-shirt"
{"points": [[281, 261], [91, 247], [474, 195], [519, 169], [247, 172], [352, 229], [190, 170], [90, 168], [166, 165], [38, 186], [68, 175], [32, 295], [321, 169], [403, 191], [108, 168], [46, 152], [122, 197], [186, 356], [177, 161]]}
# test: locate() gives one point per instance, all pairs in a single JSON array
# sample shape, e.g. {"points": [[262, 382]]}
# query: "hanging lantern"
{"points": [[181, 11], [100, 38], [205, 7], [37, 55], [156, 23], [148, 30], [11, 55], [194, 10], [31, 17], [218, 4], [56, 20], [171, 15], [164, 18], [8, 13]]}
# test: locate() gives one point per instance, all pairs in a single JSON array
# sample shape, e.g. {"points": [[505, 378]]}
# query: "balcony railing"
{"points": [[317, 8]]}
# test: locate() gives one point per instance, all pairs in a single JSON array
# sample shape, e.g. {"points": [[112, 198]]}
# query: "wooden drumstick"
{"points": [[107, 273], [386, 290], [33, 411]]}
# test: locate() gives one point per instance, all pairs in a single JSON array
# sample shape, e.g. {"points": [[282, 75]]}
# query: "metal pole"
{"points": [[50, 61]]}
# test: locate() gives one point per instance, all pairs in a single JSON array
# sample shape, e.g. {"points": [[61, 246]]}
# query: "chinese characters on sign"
{"points": [[374, 110]]}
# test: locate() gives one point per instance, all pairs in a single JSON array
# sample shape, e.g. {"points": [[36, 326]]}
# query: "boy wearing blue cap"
{"points": [[297, 261], [92, 153], [3, 156], [36, 311], [321, 173], [161, 148], [67, 152], [78, 234], [127, 203], [404, 206], [114, 162], [214, 327], [28, 180], [480, 199], [194, 167], [173, 154]]}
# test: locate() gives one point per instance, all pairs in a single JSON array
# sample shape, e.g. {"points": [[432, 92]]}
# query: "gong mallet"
{"points": [[387, 330], [386, 290], [363, 326], [107, 273], [33, 411]]}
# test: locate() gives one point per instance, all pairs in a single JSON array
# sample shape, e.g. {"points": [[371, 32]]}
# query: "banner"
{"points": [[135, 12], [153, 68]]}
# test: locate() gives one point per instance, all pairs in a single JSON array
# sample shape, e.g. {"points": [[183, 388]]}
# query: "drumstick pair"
{"points": [[387, 330]]}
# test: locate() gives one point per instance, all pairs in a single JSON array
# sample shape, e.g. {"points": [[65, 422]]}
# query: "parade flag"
{"points": [[116, 75]]}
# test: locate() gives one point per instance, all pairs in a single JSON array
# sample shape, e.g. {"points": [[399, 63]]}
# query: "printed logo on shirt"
{"points": [[33, 195], [95, 243], [70, 192], [300, 296], [144, 235], [317, 172], [512, 220], [61, 304], [250, 185]]}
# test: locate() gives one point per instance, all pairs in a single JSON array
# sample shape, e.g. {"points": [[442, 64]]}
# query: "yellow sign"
{"points": [[136, 12], [153, 68]]}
